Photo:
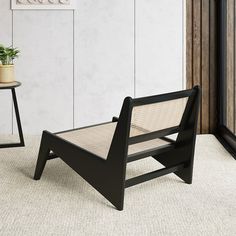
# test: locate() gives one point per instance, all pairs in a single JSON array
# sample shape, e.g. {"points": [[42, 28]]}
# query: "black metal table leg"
{"points": [[20, 132]]}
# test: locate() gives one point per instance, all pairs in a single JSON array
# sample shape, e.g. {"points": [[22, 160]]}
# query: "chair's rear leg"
{"points": [[176, 157], [186, 174], [42, 157]]}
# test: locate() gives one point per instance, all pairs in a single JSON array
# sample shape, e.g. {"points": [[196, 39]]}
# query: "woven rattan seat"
{"points": [[97, 139]]}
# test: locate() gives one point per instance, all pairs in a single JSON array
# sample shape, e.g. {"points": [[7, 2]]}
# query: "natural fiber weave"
{"points": [[145, 119], [158, 116], [97, 139]]}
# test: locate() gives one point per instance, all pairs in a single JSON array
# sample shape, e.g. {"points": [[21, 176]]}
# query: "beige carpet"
{"points": [[62, 203]]}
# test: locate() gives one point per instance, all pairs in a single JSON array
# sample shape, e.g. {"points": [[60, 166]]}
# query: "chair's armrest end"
{"points": [[115, 119]]}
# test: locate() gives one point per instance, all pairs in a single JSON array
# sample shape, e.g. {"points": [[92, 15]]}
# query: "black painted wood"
{"points": [[12, 85], [109, 176], [21, 143], [152, 175]]}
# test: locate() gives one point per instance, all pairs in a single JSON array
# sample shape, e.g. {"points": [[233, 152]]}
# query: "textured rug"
{"points": [[62, 203]]}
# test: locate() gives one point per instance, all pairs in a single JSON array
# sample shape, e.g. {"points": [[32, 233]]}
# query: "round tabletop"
{"points": [[10, 85]]}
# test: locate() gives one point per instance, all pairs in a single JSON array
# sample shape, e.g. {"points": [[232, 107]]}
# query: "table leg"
{"points": [[20, 132], [18, 117]]}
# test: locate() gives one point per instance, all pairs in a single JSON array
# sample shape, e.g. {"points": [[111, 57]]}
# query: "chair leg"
{"points": [[176, 157], [120, 207], [113, 191], [119, 203], [20, 132], [42, 158], [186, 174]]}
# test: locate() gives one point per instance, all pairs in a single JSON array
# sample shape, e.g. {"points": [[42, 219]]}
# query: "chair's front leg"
{"points": [[42, 157]]}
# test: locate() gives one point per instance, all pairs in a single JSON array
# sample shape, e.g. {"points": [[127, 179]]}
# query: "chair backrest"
{"points": [[157, 116], [161, 115], [147, 118]]}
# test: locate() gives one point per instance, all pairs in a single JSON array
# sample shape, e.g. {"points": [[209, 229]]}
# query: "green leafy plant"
{"points": [[8, 54]]}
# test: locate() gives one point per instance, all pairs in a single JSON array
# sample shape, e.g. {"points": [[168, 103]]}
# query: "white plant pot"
{"points": [[7, 74]]}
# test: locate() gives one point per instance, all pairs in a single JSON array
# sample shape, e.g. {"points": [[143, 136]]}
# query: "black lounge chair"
{"points": [[101, 152]]}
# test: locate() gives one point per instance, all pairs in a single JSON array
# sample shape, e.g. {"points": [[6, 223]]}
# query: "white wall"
{"points": [[77, 66]]}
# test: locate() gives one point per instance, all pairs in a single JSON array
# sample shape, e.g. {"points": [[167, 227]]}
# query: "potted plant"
{"points": [[7, 55]]}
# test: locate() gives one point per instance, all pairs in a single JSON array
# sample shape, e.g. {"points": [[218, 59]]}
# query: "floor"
{"points": [[62, 203]]}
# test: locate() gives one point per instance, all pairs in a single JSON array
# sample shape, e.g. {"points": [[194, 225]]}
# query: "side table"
{"points": [[12, 87]]}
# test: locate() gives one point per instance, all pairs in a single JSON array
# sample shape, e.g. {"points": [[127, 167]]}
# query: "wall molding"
{"points": [[43, 4]]}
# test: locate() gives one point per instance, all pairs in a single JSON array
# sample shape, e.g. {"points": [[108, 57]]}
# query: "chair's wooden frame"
{"points": [[109, 176]]}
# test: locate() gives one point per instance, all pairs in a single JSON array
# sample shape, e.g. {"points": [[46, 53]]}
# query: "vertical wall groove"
{"points": [[212, 70], [189, 44], [201, 59], [205, 20], [197, 49]]}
